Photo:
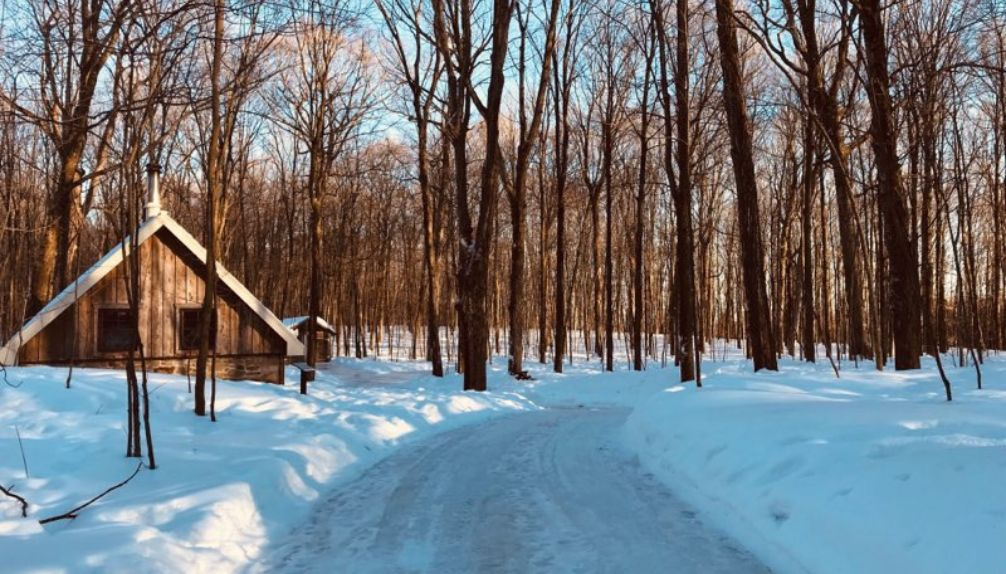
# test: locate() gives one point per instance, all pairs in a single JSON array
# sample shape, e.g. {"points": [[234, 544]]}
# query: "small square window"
{"points": [[188, 330], [115, 331]]}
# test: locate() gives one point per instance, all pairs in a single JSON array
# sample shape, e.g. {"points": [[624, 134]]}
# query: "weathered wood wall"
{"points": [[171, 279]]}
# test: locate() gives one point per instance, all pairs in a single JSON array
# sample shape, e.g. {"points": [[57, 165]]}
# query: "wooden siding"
{"points": [[326, 344], [171, 279]]}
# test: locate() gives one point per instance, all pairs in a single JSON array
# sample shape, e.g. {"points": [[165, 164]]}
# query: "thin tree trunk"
{"points": [[807, 281], [214, 182]]}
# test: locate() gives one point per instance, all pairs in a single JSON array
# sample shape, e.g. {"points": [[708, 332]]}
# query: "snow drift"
{"points": [[873, 472], [222, 491]]}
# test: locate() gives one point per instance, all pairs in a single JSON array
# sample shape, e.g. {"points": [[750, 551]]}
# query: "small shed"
{"points": [[324, 334], [89, 323]]}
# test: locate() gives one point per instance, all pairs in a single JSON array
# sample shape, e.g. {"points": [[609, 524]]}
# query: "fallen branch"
{"points": [[70, 515], [3, 370], [24, 503]]}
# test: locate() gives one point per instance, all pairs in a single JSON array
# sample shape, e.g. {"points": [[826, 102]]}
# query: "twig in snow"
{"points": [[24, 503], [834, 367], [70, 515], [3, 369], [24, 459]]}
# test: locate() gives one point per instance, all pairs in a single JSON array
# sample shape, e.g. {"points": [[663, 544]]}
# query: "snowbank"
{"points": [[222, 491], [873, 472]]}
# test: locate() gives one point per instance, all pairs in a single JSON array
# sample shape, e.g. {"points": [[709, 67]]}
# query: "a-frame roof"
{"points": [[91, 277], [297, 323]]}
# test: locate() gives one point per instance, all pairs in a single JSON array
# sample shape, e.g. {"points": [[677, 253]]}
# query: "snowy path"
{"points": [[549, 491], [370, 373]]}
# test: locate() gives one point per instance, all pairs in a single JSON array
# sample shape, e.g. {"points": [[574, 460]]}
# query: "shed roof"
{"points": [[295, 323]]}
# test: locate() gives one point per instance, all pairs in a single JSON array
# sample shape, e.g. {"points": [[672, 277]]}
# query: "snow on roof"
{"points": [[91, 277], [295, 323]]}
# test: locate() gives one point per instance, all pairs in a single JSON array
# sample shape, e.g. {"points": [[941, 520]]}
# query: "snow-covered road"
{"points": [[547, 491]]}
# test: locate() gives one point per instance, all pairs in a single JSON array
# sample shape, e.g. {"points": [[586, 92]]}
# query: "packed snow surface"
{"points": [[549, 491]]}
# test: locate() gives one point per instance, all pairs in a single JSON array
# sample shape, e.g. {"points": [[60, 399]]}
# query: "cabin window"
{"points": [[188, 330], [115, 331]]}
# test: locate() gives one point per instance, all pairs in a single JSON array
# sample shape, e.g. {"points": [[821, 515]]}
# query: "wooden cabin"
{"points": [[324, 333], [88, 323]]}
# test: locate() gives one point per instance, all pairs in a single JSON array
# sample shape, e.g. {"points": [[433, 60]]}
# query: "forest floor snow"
{"points": [[873, 472], [222, 490], [870, 472]]}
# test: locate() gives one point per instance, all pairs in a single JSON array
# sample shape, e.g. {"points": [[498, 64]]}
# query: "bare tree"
{"points": [[563, 70], [322, 98], [229, 93], [455, 43], [528, 127], [75, 43], [681, 182], [759, 325], [420, 73], [890, 192]]}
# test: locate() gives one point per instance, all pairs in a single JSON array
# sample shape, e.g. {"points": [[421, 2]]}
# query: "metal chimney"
{"points": [[153, 208]]}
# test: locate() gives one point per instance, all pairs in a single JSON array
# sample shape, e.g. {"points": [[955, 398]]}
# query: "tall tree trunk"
{"points": [[824, 102], [475, 242], [759, 327], [807, 281], [639, 263], [543, 229], [901, 250], [528, 138], [685, 259], [609, 199], [431, 254], [563, 81], [515, 305], [597, 270], [214, 183], [316, 188]]}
